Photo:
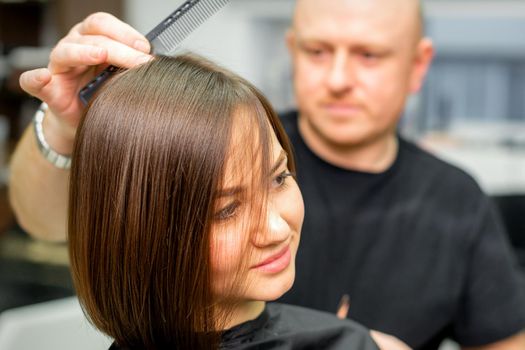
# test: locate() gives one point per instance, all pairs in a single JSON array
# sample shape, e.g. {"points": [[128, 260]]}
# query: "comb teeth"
{"points": [[166, 36], [181, 23]]}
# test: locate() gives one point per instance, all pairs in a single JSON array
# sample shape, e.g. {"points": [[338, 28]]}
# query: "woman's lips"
{"points": [[276, 263]]}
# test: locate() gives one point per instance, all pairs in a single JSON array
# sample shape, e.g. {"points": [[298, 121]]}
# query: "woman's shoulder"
{"points": [[302, 328], [309, 317]]}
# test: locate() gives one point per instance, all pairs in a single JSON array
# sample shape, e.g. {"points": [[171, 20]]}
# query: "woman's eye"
{"points": [[228, 211], [280, 180]]}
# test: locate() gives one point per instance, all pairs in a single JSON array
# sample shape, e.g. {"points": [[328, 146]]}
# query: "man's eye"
{"points": [[314, 51], [370, 56], [228, 211], [280, 180]]}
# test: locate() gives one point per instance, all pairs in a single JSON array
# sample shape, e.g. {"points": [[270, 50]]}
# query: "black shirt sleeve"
{"points": [[494, 289]]}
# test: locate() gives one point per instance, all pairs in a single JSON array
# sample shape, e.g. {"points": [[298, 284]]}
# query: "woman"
{"points": [[184, 216]]}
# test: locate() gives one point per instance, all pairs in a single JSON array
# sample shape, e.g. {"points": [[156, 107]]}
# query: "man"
{"points": [[411, 240]]}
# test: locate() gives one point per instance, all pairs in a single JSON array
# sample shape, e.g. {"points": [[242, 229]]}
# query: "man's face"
{"points": [[355, 62]]}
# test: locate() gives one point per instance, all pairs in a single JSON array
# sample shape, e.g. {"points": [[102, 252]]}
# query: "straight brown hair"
{"points": [[148, 161]]}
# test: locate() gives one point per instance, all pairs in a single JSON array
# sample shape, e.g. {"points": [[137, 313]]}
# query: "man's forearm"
{"points": [[38, 191], [516, 342]]}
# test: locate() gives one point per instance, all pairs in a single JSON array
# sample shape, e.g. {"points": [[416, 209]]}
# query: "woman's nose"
{"points": [[276, 231]]}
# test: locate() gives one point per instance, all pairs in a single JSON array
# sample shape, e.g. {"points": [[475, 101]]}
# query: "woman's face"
{"points": [[248, 262]]}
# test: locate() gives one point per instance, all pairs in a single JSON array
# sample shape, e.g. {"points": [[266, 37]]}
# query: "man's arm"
{"points": [[388, 342], [516, 342], [494, 302], [39, 191]]}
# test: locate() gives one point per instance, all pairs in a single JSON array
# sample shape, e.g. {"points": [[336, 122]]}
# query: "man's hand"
{"points": [[384, 341], [38, 191], [516, 342], [388, 342], [99, 40]]}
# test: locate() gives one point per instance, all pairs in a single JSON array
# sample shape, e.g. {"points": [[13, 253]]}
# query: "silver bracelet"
{"points": [[59, 160]]}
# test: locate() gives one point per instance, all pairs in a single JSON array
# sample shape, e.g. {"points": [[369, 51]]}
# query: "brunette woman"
{"points": [[185, 218]]}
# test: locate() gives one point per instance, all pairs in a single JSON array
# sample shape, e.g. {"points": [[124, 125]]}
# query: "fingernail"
{"points": [[143, 59], [95, 53], [141, 45], [40, 75]]}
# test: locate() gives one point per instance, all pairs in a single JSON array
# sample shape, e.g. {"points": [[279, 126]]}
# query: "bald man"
{"points": [[412, 240]]}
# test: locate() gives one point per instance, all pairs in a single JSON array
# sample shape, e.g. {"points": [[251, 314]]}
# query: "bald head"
{"points": [[354, 64], [405, 13]]}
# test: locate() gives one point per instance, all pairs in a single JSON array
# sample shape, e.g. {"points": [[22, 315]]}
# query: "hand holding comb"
{"points": [[166, 36]]}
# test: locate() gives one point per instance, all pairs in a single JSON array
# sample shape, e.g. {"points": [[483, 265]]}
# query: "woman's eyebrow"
{"points": [[230, 192], [282, 158], [233, 191]]}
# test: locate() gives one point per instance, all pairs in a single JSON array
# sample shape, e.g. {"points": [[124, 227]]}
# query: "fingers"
{"points": [[344, 306], [100, 38], [93, 50], [118, 54], [388, 342], [39, 83], [34, 81], [111, 27], [69, 55]]}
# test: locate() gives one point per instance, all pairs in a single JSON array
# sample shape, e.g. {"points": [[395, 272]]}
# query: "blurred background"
{"points": [[471, 111]]}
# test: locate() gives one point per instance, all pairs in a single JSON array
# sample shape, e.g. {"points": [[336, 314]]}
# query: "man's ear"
{"points": [[421, 64], [290, 41]]}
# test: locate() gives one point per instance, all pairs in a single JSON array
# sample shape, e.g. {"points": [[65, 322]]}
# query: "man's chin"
{"points": [[342, 137]]}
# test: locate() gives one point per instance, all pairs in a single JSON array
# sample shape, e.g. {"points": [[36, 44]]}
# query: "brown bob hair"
{"points": [[148, 161]]}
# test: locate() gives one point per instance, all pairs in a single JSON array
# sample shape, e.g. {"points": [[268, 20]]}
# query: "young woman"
{"points": [[184, 216]]}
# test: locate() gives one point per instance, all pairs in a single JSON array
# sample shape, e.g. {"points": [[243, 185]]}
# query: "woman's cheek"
{"points": [[225, 248]]}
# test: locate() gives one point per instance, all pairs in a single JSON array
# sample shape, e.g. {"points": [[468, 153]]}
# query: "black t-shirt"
{"points": [[287, 327], [418, 248]]}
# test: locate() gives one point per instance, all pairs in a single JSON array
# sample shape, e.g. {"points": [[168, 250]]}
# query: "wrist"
{"points": [[59, 136], [59, 159]]}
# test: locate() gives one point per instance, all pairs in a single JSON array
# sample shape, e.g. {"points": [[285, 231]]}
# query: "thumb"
{"points": [[388, 342], [34, 81], [344, 306]]}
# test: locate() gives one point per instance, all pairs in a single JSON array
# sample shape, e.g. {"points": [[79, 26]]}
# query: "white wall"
{"points": [[228, 37]]}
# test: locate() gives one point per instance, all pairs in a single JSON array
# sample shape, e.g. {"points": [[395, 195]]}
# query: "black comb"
{"points": [[166, 36]]}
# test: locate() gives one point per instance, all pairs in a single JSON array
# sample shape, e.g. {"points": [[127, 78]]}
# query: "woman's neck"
{"points": [[242, 312]]}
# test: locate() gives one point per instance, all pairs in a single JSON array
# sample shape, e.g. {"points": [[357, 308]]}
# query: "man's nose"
{"points": [[340, 77], [276, 231]]}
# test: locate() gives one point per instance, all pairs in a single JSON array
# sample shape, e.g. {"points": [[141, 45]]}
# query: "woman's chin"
{"points": [[261, 287], [273, 287]]}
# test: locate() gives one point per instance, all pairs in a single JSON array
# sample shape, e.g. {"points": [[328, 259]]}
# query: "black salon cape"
{"points": [[286, 327], [283, 326]]}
